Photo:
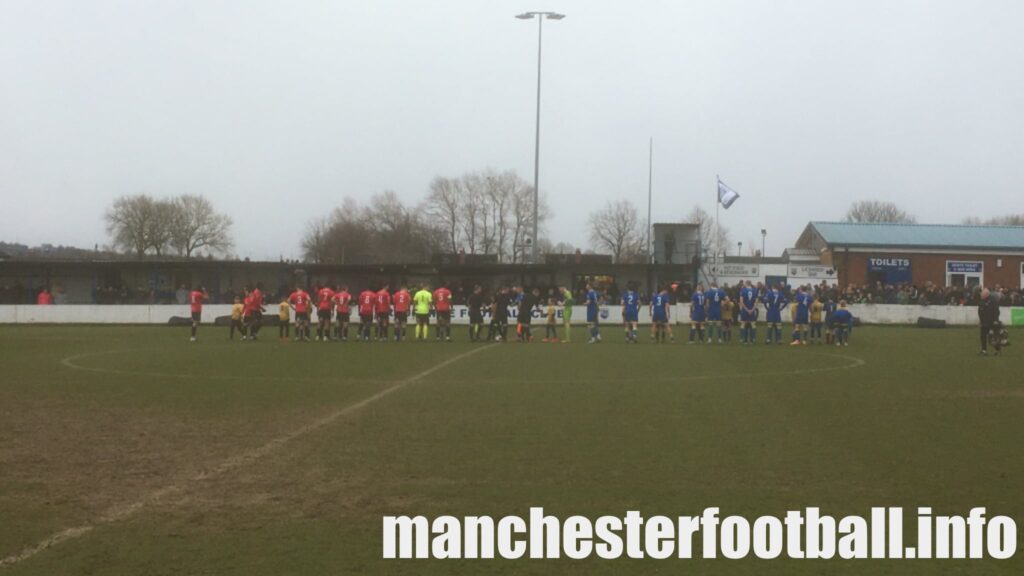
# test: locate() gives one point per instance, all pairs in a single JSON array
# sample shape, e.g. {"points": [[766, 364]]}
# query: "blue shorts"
{"points": [[631, 316], [592, 315], [659, 317], [801, 318], [748, 316], [714, 315]]}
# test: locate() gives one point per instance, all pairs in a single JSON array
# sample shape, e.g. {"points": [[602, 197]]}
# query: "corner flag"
{"points": [[726, 195]]}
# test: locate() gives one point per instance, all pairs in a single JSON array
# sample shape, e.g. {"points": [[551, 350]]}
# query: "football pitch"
{"points": [[130, 450]]}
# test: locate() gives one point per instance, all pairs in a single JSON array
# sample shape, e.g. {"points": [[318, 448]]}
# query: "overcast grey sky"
{"points": [[278, 110]]}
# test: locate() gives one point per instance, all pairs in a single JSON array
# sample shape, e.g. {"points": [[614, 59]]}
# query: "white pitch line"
{"points": [[122, 512]]}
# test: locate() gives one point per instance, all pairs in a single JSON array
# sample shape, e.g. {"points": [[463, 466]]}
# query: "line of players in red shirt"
{"points": [[374, 308]]}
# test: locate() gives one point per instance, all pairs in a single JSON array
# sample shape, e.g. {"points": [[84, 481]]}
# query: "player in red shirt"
{"points": [[383, 312], [367, 303], [402, 301], [195, 300], [342, 300], [324, 307], [443, 306], [248, 316], [257, 310], [301, 303]]}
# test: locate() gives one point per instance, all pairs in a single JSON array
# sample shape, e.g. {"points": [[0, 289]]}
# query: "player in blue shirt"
{"points": [[774, 302], [842, 320], [593, 300], [697, 314], [748, 313], [630, 313], [801, 316], [714, 297], [659, 314]]}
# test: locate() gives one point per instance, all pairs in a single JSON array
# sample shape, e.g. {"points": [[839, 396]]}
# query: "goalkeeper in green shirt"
{"points": [[421, 307]]}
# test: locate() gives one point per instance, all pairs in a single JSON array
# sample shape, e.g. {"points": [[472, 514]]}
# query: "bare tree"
{"points": [[617, 228], [385, 230], [127, 223], [442, 206], [877, 211], [314, 242], [472, 209], [521, 223], [138, 224], [713, 239], [500, 193], [1009, 220], [195, 224]]}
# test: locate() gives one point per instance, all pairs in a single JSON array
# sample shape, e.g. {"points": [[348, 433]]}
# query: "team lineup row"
{"points": [[711, 311]]}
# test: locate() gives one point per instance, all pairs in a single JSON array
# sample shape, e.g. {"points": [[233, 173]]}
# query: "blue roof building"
{"points": [[947, 255]]}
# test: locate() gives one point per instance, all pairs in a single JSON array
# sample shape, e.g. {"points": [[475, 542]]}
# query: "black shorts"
{"points": [[423, 318], [197, 316], [446, 316], [476, 319], [342, 316], [382, 316], [323, 314], [366, 318], [401, 316], [258, 314], [302, 316]]}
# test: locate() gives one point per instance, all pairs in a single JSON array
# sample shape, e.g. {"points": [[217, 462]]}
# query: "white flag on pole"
{"points": [[726, 195]]}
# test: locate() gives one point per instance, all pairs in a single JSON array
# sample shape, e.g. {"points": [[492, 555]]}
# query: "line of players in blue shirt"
{"points": [[706, 308]]}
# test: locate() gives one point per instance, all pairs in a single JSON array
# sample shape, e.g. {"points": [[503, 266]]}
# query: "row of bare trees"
{"points": [[185, 225], [382, 231], [485, 212]]}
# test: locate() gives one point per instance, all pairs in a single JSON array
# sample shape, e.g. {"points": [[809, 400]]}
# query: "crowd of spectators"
{"points": [[929, 294]]}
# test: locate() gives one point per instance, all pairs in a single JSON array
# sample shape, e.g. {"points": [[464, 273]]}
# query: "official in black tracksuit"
{"points": [[988, 316]]}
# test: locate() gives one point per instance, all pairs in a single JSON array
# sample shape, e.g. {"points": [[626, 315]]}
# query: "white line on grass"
{"points": [[122, 512]]}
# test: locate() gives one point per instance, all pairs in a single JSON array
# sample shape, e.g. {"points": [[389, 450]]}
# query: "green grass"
{"points": [[902, 417]]}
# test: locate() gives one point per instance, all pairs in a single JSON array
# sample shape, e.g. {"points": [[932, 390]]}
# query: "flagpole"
{"points": [[714, 241], [650, 187]]}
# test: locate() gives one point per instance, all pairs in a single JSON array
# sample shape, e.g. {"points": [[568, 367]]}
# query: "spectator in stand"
{"points": [[44, 298], [181, 295]]}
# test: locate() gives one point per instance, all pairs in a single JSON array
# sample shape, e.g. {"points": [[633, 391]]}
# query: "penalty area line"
{"points": [[119, 513]]}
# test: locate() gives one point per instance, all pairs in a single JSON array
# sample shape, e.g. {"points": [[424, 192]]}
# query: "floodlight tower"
{"points": [[540, 16]]}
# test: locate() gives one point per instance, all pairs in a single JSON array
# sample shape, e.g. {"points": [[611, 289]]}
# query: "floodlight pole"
{"points": [[540, 16]]}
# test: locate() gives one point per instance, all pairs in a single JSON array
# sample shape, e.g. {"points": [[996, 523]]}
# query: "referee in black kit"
{"points": [[988, 317]]}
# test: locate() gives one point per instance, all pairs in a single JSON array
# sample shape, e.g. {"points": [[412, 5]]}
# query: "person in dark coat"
{"points": [[988, 317]]}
